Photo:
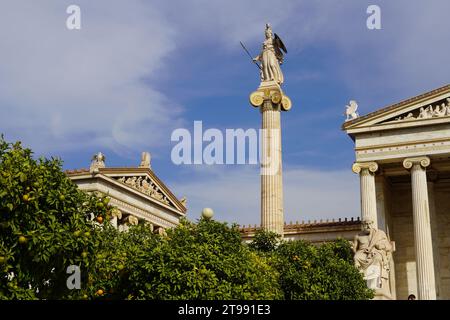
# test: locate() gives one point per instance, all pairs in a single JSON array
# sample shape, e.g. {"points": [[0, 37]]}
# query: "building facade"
{"points": [[138, 194], [403, 160]]}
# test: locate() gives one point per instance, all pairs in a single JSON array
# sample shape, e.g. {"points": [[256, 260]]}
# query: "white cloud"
{"points": [[98, 87], [234, 193], [74, 89]]}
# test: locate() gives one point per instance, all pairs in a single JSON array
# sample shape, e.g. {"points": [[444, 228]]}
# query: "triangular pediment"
{"points": [[429, 108], [145, 182], [439, 109]]}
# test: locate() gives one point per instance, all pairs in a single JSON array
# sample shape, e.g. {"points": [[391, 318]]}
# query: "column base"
{"points": [[382, 295]]}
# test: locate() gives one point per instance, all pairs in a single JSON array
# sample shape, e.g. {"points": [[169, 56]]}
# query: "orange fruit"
{"points": [[100, 219], [22, 240], [99, 292]]}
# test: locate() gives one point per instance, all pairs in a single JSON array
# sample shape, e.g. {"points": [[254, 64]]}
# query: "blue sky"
{"points": [[139, 69]]}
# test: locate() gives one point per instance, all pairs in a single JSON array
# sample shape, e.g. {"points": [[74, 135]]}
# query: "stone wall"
{"points": [[442, 195], [403, 235], [315, 232]]}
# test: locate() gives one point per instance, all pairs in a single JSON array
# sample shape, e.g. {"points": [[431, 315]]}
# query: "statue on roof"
{"points": [[145, 160], [350, 110], [98, 161], [271, 57]]}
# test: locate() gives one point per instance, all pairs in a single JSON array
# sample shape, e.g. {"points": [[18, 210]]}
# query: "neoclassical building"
{"points": [[403, 160], [138, 194]]}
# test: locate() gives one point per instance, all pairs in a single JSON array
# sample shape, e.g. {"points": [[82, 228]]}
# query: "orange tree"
{"points": [[118, 256], [204, 260], [313, 272], [44, 226], [47, 224]]}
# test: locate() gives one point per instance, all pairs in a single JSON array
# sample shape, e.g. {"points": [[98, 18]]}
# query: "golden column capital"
{"points": [[273, 94], [424, 162], [360, 166]]}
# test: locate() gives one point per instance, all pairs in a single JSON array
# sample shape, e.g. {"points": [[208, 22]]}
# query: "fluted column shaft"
{"points": [[272, 216], [434, 235], [426, 286], [366, 172]]}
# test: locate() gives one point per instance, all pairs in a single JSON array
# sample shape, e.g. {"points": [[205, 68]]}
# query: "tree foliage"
{"points": [[206, 260], [48, 224], [43, 225], [265, 241], [317, 272]]}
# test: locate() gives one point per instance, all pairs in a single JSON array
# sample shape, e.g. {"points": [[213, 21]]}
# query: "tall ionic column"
{"points": [[426, 286], [272, 216], [271, 101], [366, 171]]}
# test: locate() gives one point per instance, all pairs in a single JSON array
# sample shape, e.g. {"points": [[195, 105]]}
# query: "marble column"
{"points": [[426, 286], [432, 177], [271, 100], [366, 171], [272, 216]]}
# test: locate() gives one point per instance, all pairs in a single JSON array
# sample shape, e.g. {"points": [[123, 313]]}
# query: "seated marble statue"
{"points": [[373, 250]]}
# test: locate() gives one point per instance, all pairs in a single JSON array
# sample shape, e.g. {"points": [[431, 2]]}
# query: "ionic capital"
{"points": [[360, 166], [424, 162]]}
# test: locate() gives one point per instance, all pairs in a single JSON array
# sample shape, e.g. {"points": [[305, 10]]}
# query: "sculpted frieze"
{"points": [[441, 109], [145, 185]]}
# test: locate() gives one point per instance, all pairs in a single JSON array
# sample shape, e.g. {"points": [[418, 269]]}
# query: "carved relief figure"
{"points": [[441, 110], [131, 181], [425, 112], [138, 184], [271, 57], [409, 116], [146, 186], [373, 252]]}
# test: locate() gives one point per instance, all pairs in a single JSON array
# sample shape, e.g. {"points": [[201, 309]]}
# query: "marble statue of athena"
{"points": [[271, 57]]}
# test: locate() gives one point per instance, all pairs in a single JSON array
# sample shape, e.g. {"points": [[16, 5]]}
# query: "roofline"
{"points": [[400, 104], [308, 226], [82, 172]]}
